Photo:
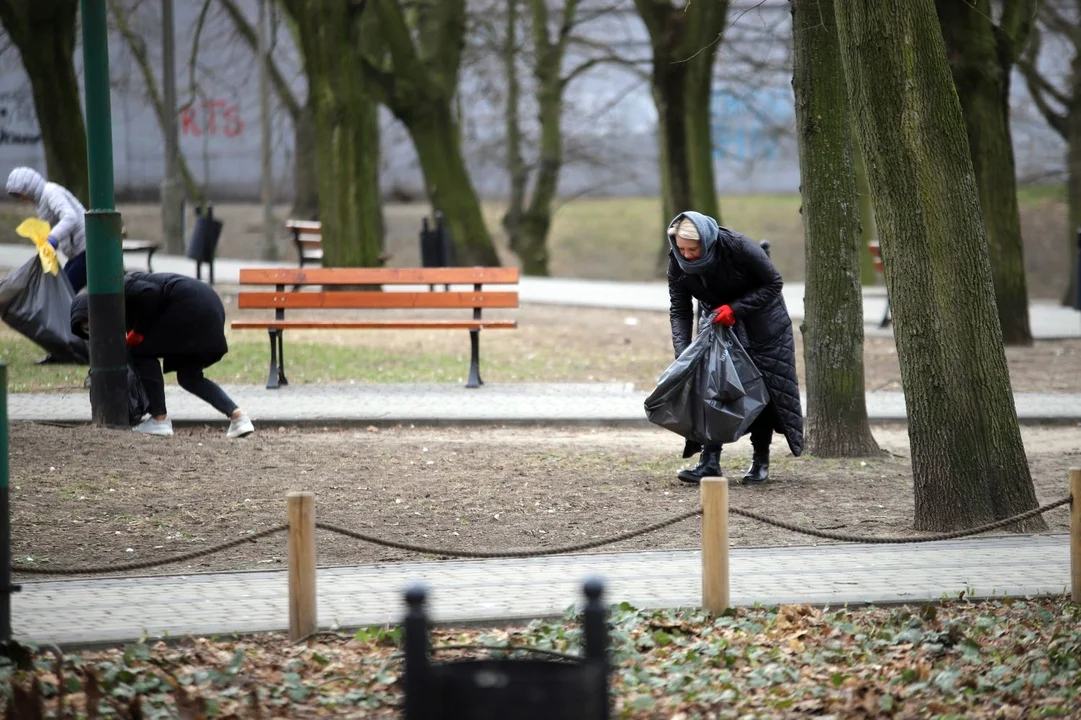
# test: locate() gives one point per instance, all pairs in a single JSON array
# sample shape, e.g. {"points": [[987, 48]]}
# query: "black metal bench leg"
{"points": [[150, 260], [887, 319], [273, 375], [474, 360], [281, 358]]}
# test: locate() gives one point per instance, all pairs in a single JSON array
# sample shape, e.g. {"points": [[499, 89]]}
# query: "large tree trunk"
{"points": [[305, 175], [533, 247], [517, 170], [346, 126], [981, 57], [684, 41], [868, 233], [450, 189], [968, 461], [44, 33], [837, 424], [1073, 183]]}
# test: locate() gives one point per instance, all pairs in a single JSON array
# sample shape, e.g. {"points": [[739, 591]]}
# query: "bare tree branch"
{"points": [[247, 33]]}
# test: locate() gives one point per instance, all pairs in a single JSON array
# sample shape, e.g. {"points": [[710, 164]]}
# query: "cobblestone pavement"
{"points": [[119, 610], [433, 404]]}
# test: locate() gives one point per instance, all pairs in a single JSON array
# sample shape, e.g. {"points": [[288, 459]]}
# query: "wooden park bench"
{"points": [[876, 253], [308, 240], [139, 246], [280, 298]]}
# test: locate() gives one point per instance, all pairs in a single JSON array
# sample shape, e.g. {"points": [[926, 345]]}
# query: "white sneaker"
{"points": [[150, 426], [240, 427]]}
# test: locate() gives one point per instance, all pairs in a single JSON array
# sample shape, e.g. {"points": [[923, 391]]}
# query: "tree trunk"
{"points": [[516, 168], [684, 41], [44, 33], [1073, 182], [837, 424], [305, 174], [981, 62], [868, 232], [450, 189], [346, 132], [968, 461], [538, 216]]}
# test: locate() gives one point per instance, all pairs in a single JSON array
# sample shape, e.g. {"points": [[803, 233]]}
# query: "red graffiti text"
{"points": [[212, 117]]}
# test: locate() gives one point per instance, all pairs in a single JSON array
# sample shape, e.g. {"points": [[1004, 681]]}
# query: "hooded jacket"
{"points": [[735, 271], [55, 205], [181, 319]]}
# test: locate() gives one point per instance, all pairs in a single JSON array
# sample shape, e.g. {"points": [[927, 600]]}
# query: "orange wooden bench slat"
{"points": [[380, 300], [374, 324], [379, 276]]}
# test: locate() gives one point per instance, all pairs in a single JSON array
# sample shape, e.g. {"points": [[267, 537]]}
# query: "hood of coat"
{"points": [[80, 316], [708, 233], [27, 182]]}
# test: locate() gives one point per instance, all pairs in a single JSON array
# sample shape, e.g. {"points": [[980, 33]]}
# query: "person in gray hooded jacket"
{"points": [[64, 213]]}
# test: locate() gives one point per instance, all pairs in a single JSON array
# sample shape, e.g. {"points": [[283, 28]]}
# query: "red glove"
{"points": [[133, 338], [725, 316]]}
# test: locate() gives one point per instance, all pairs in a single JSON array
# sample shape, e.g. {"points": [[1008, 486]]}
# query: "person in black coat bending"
{"points": [[181, 321], [732, 277]]}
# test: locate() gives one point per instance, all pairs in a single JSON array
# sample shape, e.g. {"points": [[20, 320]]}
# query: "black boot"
{"points": [[709, 465], [758, 473]]}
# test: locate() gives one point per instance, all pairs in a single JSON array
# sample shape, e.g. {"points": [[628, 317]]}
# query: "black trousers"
{"points": [[191, 378], [761, 432]]}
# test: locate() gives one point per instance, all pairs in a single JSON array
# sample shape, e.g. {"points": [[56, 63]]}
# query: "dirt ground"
{"points": [[86, 496]]}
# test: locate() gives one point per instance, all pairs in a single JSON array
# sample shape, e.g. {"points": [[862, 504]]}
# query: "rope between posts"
{"points": [[105, 569], [512, 553], [601, 542], [844, 537]]}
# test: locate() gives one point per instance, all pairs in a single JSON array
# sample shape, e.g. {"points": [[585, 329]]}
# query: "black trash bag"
{"points": [[712, 392], [37, 304], [138, 402]]}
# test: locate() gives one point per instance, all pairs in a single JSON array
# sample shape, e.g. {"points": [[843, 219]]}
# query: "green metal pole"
{"points": [[104, 257], [6, 588]]}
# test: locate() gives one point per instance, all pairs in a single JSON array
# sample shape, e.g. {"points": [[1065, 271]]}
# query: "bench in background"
{"points": [[281, 299]]}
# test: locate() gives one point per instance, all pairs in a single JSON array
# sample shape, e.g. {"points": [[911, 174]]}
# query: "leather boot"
{"points": [[758, 473], [709, 465]]}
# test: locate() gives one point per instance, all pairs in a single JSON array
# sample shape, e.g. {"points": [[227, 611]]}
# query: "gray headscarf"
{"points": [[708, 230]]}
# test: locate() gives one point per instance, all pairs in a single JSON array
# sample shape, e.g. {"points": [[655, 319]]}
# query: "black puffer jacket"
{"points": [[181, 319], [742, 277]]}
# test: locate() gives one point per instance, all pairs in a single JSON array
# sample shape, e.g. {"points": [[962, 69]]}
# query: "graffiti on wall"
{"points": [[18, 123], [217, 117]]}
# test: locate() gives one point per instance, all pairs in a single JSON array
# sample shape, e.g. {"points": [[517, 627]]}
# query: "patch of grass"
{"points": [[1039, 194]]}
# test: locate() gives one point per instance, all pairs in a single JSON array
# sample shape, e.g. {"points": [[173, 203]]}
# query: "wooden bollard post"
{"points": [[715, 544], [303, 611], [1075, 534]]}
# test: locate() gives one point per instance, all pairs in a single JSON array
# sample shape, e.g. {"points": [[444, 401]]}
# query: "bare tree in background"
{"points": [[299, 109], [122, 21], [44, 33], [1060, 104], [685, 38], [528, 221], [982, 53]]}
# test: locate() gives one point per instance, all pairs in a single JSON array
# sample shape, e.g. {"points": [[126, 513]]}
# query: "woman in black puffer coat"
{"points": [[733, 279]]}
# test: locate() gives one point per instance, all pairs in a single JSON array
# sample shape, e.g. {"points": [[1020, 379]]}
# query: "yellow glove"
{"points": [[38, 231]]}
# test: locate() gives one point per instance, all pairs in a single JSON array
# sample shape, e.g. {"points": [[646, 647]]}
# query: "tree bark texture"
{"points": [[517, 170], [419, 86], [346, 131], [868, 233], [684, 42], [837, 424], [968, 462], [981, 56], [44, 33]]}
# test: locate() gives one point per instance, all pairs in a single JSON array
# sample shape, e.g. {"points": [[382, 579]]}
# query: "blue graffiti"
{"points": [[749, 128]]}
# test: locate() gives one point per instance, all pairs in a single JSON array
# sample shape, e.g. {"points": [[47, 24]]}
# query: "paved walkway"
{"points": [[1049, 320], [119, 610], [612, 404]]}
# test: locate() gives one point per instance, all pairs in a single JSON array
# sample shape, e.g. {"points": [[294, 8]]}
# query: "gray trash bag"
{"points": [[712, 392], [37, 304]]}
